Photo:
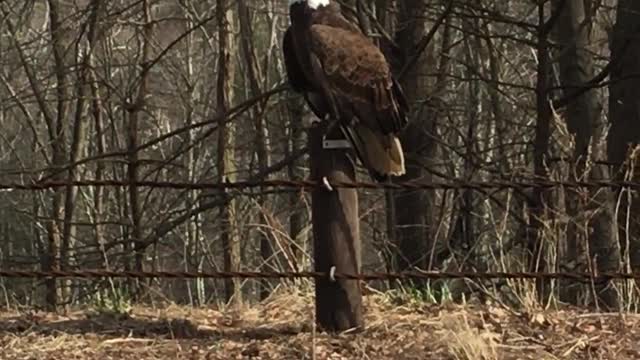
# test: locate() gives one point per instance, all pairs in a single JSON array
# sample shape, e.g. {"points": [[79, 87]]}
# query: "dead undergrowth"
{"points": [[281, 328]]}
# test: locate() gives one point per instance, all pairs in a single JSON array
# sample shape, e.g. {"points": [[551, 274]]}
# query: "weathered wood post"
{"points": [[336, 232]]}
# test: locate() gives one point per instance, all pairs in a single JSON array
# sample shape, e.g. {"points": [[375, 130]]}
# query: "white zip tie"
{"points": [[332, 274], [326, 184]]}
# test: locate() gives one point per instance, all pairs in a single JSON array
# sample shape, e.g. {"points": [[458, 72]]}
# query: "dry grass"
{"points": [[281, 328], [467, 342]]}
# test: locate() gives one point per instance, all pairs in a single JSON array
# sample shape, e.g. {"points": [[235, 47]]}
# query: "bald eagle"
{"points": [[344, 76]]}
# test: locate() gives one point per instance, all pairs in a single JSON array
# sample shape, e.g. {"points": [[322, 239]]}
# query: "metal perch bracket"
{"points": [[336, 143]]}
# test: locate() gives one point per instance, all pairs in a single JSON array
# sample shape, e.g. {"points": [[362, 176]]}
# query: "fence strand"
{"points": [[415, 185], [424, 275], [410, 185]]}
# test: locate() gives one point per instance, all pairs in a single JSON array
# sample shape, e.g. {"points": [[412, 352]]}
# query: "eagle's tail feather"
{"points": [[381, 154]]}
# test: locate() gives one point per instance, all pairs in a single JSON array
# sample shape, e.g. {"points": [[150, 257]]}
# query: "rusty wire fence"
{"points": [[308, 184], [404, 275], [583, 277]]}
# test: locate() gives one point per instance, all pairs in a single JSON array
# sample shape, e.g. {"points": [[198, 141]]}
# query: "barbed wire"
{"points": [[411, 185], [406, 275]]}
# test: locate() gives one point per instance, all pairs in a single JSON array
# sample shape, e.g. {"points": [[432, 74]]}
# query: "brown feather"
{"points": [[382, 153], [358, 71]]}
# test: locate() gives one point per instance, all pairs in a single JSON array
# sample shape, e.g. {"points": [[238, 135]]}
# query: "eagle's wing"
{"points": [[359, 74], [295, 75], [297, 78]]}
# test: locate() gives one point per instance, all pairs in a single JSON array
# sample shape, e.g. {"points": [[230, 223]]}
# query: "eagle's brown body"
{"points": [[344, 75]]}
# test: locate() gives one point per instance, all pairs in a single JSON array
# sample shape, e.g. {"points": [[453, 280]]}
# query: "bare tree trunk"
{"points": [[413, 208], [60, 42], [99, 192], [297, 216], [226, 147], [135, 210], [78, 136], [540, 196], [624, 114], [262, 133], [495, 101], [49, 254], [463, 236], [583, 113], [193, 248]]}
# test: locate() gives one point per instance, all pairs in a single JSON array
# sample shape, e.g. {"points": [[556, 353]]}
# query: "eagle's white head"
{"points": [[314, 4]]}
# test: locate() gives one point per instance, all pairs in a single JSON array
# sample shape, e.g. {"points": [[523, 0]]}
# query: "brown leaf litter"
{"points": [[282, 328]]}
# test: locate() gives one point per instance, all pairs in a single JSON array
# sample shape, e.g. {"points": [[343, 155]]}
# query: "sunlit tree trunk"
{"points": [[254, 76], [226, 147], [134, 111], [79, 138], [61, 40]]}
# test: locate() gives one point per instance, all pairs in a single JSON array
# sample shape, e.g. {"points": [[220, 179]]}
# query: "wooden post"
{"points": [[336, 234]]}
